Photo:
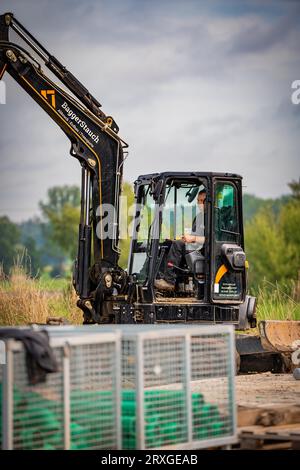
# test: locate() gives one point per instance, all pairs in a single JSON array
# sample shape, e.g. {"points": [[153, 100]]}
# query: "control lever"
{"points": [[172, 265]]}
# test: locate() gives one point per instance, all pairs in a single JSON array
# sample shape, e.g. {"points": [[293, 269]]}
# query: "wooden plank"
{"points": [[277, 446], [280, 433], [283, 427], [262, 429]]}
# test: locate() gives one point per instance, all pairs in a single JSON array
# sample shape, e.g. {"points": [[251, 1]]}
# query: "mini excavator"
{"points": [[211, 278]]}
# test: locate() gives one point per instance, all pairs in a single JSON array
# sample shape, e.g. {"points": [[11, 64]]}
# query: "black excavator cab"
{"points": [[210, 273]]}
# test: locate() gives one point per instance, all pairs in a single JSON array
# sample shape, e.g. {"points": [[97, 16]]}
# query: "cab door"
{"points": [[228, 260]]}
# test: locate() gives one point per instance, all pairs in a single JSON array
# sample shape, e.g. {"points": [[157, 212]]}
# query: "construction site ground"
{"points": [[267, 389]]}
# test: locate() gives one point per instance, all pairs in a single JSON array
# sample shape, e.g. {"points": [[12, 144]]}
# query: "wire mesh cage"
{"points": [[77, 407], [178, 387], [126, 387]]}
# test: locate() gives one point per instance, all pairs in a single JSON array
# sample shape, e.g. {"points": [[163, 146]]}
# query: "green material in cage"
{"points": [[165, 418], [38, 421]]}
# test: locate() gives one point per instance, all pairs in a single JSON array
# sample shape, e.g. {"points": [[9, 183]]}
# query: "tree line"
{"points": [[272, 238], [49, 244]]}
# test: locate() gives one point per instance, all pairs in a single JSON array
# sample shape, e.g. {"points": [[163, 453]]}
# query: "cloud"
{"points": [[261, 36], [194, 86]]}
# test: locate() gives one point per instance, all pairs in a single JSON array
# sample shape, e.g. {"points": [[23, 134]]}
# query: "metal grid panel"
{"points": [[177, 390], [129, 363], [77, 407], [93, 396], [165, 396], [94, 385], [212, 386], [181, 382], [129, 394], [37, 409]]}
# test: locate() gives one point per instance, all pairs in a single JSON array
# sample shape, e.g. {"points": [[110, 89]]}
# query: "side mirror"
{"points": [[192, 193]]}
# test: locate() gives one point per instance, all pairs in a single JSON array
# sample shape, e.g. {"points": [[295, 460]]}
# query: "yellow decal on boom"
{"points": [[50, 93]]}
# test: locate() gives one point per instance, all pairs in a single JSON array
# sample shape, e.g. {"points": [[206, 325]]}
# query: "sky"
{"points": [[193, 85]]}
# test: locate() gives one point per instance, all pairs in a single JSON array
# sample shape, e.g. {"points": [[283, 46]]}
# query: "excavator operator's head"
{"points": [[201, 197]]}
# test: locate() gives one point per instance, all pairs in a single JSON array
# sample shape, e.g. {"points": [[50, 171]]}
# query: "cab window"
{"points": [[226, 213]]}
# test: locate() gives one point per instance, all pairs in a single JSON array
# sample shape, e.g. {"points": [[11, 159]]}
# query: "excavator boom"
{"points": [[95, 143]]}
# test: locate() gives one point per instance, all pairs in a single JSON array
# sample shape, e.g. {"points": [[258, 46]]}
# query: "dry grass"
{"points": [[278, 302], [24, 300], [64, 305]]}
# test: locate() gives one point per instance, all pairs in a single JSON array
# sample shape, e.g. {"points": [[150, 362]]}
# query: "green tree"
{"points": [[295, 188], [9, 239], [273, 241], [269, 255], [44, 251], [289, 223], [62, 212], [253, 204]]}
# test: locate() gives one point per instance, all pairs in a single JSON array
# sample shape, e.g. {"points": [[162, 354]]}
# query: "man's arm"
{"points": [[193, 239]]}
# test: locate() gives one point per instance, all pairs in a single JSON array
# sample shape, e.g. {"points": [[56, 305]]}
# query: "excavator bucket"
{"points": [[280, 336], [276, 349]]}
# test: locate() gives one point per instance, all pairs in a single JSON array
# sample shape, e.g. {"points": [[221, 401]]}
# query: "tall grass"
{"points": [[24, 300], [278, 301]]}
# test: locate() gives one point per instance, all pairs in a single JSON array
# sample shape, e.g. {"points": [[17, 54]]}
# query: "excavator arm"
{"points": [[94, 143]]}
